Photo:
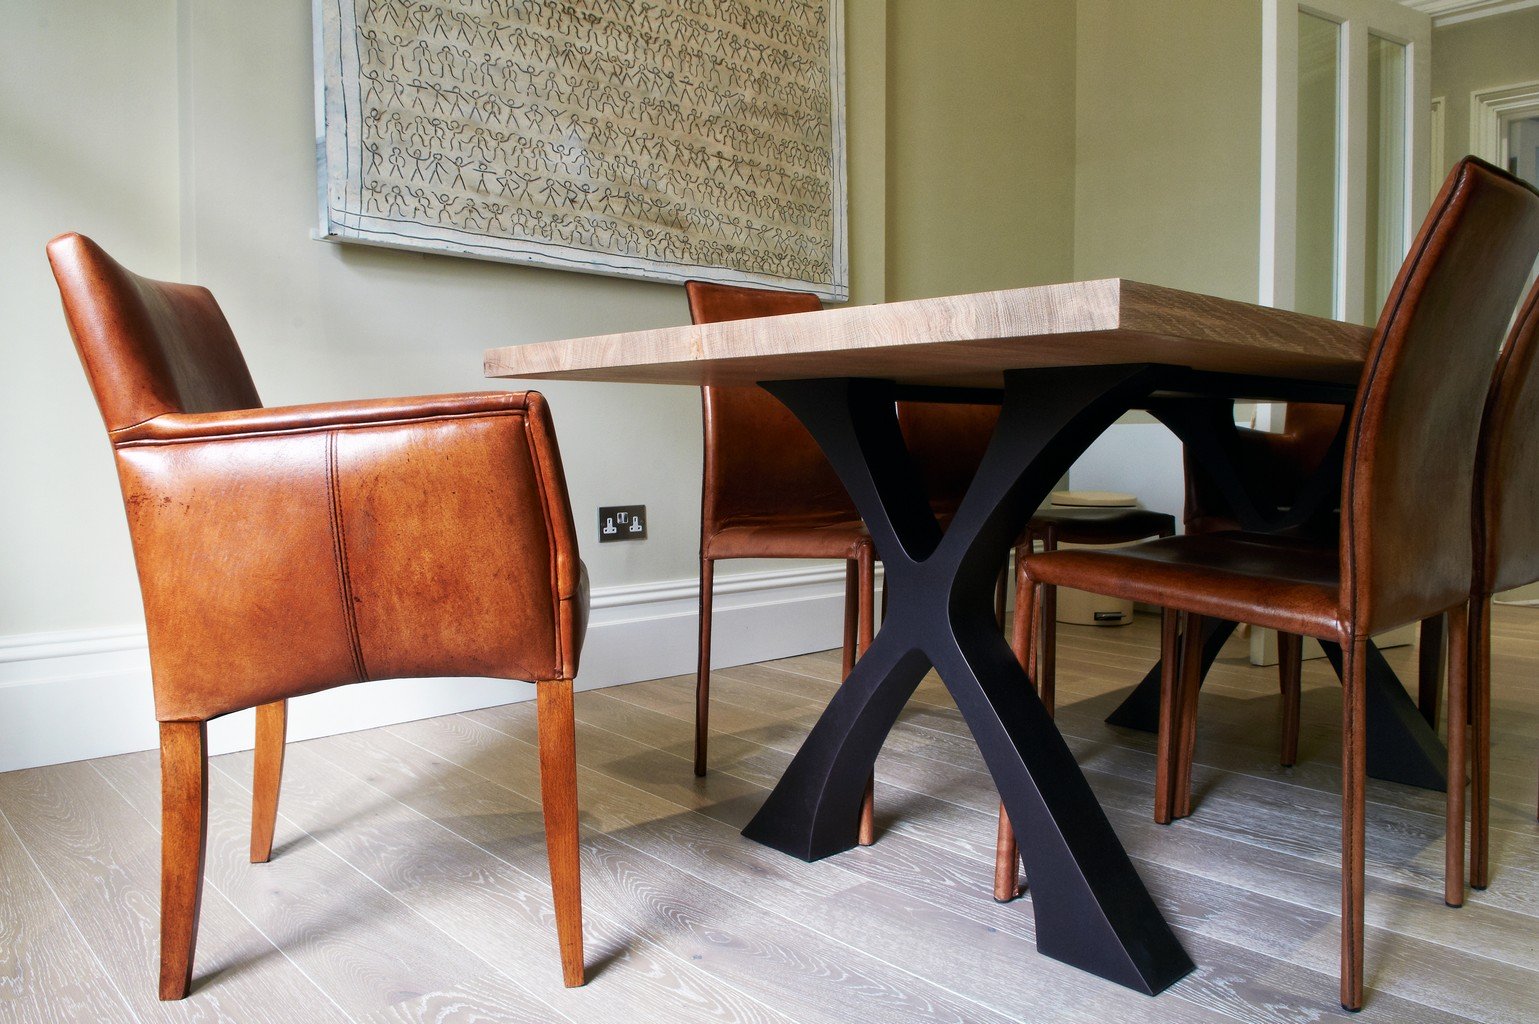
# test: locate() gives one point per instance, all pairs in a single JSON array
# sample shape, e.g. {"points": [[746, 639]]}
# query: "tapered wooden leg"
{"points": [[558, 791], [851, 615], [1429, 667], [1458, 752], [1354, 775], [183, 838], [703, 670], [866, 569], [1480, 788], [1169, 729], [266, 776], [1190, 684], [1024, 639], [1022, 623], [1007, 877], [1290, 661], [1047, 641]]}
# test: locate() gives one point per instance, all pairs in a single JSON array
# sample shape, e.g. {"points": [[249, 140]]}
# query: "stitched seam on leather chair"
{"points": [[1352, 572], [148, 442], [339, 547], [535, 454]]}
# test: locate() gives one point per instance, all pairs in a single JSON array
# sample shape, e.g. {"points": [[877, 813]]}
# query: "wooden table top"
{"points": [[965, 341]]}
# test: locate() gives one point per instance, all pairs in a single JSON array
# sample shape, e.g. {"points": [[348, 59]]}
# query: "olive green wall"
{"points": [[1487, 53], [980, 145], [1168, 143]]}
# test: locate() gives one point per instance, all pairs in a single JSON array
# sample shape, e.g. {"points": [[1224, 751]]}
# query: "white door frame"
{"points": [[1359, 20], [1490, 112]]}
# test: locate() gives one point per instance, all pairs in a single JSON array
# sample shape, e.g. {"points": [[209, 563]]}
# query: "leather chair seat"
{"points": [[1279, 582], [781, 537]]}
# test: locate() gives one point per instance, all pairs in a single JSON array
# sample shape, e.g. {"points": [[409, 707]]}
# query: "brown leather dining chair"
{"points": [[1414, 429], [768, 492], [1506, 541], [283, 551]]}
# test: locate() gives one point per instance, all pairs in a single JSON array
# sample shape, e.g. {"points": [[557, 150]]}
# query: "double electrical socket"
{"points": [[622, 522]]}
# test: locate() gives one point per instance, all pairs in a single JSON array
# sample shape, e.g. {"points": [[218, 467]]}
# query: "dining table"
{"points": [[1064, 361]]}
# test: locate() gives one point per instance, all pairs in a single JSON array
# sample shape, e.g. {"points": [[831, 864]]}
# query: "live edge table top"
{"points": [[965, 341]]}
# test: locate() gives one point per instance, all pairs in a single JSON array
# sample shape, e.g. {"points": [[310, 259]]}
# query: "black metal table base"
{"points": [[1402, 746], [1092, 910]]}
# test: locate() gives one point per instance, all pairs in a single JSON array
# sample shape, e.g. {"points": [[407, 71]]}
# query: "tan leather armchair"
{"points": [[285, 551]]}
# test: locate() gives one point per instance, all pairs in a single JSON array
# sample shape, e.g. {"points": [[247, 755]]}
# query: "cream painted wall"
{"points": [[1168, 143], [1487, 53], [181, 136], [980, 155], [88, 126]]}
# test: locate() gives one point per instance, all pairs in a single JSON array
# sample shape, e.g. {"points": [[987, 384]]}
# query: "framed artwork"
{"points": [[664, 139]]}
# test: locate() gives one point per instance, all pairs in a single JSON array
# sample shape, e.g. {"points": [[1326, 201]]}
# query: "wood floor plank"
{"points": [[365, 949], [47, 975], [470, 858], [102, 858]]}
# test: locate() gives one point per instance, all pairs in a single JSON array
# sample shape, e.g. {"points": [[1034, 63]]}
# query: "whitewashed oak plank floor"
{"points": [[408, 881]]}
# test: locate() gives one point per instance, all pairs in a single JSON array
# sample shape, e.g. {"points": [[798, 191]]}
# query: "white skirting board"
{"points": [[71, 695]]}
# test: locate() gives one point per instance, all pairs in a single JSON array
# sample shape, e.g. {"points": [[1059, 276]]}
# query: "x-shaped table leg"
{"points": [[1092, 910]]}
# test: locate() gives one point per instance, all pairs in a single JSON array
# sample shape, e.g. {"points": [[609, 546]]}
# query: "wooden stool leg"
{"points": [[1007, 878], [866, 570], [558, 790], [266, 776], [1290, 662], [1021, 622], [1006, 852], [851, 616], [1047, 643], [183, 839], [1169, 731], [1458, 753], [1354, 773], [1480, 788], [1189, 685], [703, 669]]}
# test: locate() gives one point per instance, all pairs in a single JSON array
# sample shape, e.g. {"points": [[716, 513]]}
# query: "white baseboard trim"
{"points": [[70, 695]]}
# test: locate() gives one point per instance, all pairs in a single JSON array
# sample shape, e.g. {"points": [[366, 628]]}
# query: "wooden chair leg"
{"points": [[851, 615], [1046, 658], [1007, 877], [1022, 623], [703, 669], [1429, 667], [1458, 753], [183, 839], [558, 791], [1024, 640], [1188, 686], [1354, 773], [267, 776], [866, 608], [1290, 662], [1480, 788], [1169, 731]]}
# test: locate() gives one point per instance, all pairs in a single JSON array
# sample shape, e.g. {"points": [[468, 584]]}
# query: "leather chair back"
{"points": [[1406, 525], [1276, 465], [760, 462], [148, 347], [1507, 516], [947, 442]]}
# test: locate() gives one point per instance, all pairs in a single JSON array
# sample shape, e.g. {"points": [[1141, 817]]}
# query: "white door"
{"points": [[1344, 152]]}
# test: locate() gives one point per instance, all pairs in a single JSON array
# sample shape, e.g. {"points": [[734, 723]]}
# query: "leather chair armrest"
{"points": [[173, 427]]}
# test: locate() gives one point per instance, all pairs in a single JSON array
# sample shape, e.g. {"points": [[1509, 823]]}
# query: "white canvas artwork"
{"points": [[666, 139]]}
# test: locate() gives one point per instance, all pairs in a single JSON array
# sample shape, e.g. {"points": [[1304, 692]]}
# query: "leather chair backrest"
{"points": [[1507, 516], [1275, 466], [760, 462], [947, 442], [148, 347], [1407, 533]]}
